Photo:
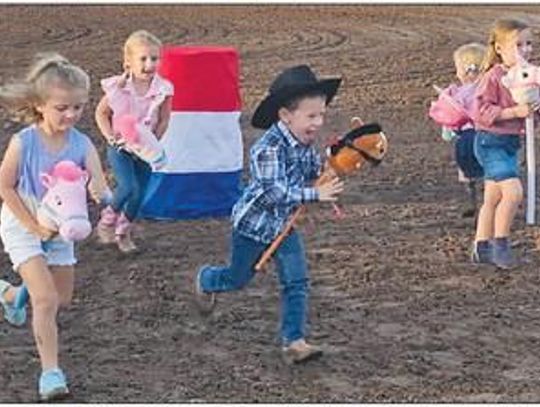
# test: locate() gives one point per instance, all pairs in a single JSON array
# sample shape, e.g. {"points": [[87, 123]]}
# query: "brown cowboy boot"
{"points": [[106, 226], [123, 231], [300, 351], [206, 302]]}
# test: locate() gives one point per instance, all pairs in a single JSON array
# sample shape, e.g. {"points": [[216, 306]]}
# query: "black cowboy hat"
{"points": [[291, 83]]}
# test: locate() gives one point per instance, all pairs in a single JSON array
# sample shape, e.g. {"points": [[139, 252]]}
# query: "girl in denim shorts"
{"points": [[499, 122], [51, 99]]}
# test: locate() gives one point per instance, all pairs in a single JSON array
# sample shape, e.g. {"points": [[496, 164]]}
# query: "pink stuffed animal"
{"points": [[64, 207], [447, 111], [523, 81], [141, 141]]}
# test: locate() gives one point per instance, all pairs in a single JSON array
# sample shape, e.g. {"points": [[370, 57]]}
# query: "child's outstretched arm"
{"points": [[8, 193], [103, 118], [164, 116], [97, 186]]}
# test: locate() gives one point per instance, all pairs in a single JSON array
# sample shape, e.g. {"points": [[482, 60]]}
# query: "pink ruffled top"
{"points": [[124, 100]]}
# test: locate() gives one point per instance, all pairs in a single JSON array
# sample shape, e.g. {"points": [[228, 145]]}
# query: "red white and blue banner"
{"points": [[203, 142]]}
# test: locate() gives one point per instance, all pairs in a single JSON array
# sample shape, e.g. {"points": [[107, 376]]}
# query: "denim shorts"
{"points": [[21, 245], [498, 155], [465, 158]]}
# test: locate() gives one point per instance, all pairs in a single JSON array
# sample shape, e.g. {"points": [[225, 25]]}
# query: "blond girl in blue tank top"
{"points": [[51, 100]]}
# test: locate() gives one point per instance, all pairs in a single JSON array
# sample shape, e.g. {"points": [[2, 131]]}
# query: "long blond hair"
{"points": [[20, 98], [500, 32]]}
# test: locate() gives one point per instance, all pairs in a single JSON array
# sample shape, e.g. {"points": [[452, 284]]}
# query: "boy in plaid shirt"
{"points": [[283, 164]]}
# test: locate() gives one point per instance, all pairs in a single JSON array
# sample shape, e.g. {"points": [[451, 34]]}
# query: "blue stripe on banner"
{"points": [[191, 195]]}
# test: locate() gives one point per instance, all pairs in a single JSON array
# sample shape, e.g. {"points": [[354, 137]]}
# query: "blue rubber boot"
{"points": [[482, 252], [502, 253]]}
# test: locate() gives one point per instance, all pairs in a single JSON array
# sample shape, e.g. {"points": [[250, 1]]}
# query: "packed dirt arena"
{"points": [[403, 314]]}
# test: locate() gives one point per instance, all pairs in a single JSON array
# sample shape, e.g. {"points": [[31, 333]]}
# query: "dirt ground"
{"points": [[403, 314]]}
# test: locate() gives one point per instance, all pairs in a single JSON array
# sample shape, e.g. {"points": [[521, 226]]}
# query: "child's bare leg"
{"points": [[64, 281], [486, 215], [512, 195], [44, 298]]}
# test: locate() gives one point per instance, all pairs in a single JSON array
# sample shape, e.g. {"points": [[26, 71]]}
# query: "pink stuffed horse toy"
{"points": [[523, 81], [141, 141], [64, 207], [447, 111]]}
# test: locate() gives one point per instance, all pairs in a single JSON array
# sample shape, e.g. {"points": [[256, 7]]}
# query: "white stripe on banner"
{"points": [[203, 142]]}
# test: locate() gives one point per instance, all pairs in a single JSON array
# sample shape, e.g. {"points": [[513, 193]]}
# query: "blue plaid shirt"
{"points": [[281, 169]]}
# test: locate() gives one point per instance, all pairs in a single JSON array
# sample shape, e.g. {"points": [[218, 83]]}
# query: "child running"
{"points": [[140, 92], [283, 164], [51, 99], [499, 124]]}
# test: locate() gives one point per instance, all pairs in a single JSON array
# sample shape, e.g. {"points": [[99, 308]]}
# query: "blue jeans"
{"points": [[292, 271], [465, 158], [132, 176], [498, 155]]}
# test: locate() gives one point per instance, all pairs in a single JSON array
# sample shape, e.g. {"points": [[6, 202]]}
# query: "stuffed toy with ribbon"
{"points": [[345, 155], [364, 143]]}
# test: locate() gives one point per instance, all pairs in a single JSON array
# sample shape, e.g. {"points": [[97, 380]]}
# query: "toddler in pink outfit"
{"points": [[143, 94], [467, 60]]}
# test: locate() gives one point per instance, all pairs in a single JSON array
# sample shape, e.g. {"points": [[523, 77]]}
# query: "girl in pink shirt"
{"points": [[142, 93], [499, 122]]}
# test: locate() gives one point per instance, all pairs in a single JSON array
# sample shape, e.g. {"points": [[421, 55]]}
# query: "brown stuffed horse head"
{"points": [[364, 143]]}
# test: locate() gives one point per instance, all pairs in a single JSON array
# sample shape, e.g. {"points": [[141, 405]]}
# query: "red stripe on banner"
{"points": [[205, 79]]}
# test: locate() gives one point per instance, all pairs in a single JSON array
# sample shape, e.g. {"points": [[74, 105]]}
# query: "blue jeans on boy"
{"points": [[132, 176], [292, 271]]}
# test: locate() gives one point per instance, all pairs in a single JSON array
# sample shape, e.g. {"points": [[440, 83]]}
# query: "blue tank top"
{"points": [[36, 159]]}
